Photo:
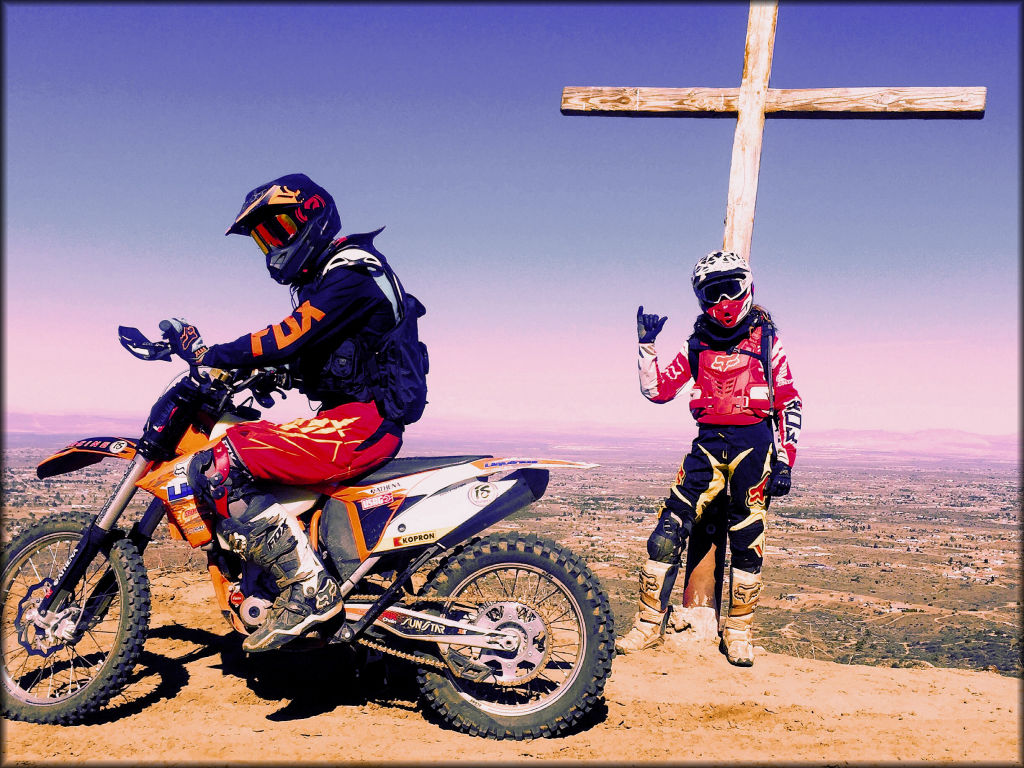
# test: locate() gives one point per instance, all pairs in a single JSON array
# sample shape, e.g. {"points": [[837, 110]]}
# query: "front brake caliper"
{"points": [[42, 636]]}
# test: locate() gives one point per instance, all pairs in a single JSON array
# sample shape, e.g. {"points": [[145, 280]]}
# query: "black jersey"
{"points": [[338, 317]]}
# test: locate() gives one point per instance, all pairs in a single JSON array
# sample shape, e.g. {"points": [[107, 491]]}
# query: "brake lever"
{"points": [[137, 344], [260, 394]]}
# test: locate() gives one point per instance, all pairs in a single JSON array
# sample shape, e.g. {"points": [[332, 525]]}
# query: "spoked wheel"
{"points": [[547, 598], [59, 667]]}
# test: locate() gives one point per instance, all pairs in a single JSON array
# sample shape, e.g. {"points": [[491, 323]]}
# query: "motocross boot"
{"points": [[648, 631], [737, 643], [267, 536]]}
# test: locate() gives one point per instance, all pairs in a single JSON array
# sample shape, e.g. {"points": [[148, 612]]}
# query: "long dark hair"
{"points": [[764, 312]]}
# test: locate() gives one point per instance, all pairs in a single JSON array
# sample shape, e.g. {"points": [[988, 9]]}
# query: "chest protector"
{"points": [[392, 369], [731, 386]]}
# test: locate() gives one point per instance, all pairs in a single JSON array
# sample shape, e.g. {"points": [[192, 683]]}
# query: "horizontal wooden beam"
{"points": [[961, 103]]}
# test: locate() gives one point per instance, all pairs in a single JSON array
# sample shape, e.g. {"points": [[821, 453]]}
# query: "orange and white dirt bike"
{"points": [[510, 635]]}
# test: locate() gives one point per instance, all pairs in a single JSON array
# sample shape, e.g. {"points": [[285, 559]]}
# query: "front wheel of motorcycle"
{"points": [[61, 667], [546, 597]]}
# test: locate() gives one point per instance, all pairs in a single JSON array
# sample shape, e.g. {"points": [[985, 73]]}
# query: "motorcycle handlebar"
{"points": [[262, 382]]}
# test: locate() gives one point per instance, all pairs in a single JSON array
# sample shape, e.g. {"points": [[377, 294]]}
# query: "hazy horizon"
{"points": [[432, 435], [428, 424]]}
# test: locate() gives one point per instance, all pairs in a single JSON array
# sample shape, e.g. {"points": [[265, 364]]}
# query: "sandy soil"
{"points": [[196, 698]]}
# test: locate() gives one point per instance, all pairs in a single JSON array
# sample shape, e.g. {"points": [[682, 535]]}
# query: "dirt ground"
{"points": [[195, 698]]}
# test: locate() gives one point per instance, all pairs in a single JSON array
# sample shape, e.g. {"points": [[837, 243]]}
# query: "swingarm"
{"points": [[416, 625]]}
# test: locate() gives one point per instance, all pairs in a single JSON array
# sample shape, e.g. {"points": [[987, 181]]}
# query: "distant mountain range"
{"points": [[20, 429], [927, 442], [44, 424]]}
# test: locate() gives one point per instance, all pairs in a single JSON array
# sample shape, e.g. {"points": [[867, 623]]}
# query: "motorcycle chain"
{"points": [[411, 600]]}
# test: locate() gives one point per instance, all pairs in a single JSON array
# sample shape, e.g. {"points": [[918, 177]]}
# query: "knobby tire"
{"points": [[470, 708], [132, 598]]}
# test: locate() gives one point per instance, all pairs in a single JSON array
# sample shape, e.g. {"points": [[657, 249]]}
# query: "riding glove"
{"points": [[779, 483], [648, 326], [185, 340]]}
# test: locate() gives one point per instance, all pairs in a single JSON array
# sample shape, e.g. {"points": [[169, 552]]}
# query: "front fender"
{"points": [[82, 453]]}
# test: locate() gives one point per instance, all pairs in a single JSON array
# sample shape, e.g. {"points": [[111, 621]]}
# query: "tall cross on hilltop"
{"points": [[751, 103]]}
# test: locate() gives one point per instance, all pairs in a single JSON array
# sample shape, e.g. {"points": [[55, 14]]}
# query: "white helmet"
{"points": [[724, 287]]}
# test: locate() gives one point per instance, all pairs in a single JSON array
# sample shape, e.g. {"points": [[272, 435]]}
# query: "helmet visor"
{"points": [[275, 232], [721, 290]]}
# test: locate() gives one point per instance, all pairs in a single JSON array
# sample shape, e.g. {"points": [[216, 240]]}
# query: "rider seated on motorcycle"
{"points": [[340, 314], [741, 383]]}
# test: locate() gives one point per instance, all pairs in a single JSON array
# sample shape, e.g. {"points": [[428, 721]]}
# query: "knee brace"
{"points": [[217, 477], [668, 539], [747, 560], [746, 540]]}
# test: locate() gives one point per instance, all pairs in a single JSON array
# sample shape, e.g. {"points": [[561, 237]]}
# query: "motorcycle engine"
{"points": [[253, 611], [252, 596]]}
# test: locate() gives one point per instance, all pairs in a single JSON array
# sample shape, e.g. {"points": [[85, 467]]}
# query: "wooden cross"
{"points": [[751, 103]]}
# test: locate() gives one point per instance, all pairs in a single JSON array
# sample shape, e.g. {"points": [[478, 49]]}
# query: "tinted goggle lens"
{"points": [[275, 232], [721, 290]]}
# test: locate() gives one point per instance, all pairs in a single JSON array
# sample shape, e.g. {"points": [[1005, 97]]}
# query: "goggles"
{"points": [[727, 289], [274, 232]]}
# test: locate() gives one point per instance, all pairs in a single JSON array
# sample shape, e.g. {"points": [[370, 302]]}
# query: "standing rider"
{"points": [[345, 297], [741, 382]]}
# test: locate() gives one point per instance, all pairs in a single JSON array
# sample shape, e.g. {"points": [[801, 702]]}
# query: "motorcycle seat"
{"points": [[410, 466]]}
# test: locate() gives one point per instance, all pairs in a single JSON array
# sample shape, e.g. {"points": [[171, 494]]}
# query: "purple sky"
{"points": [[888, 251]]}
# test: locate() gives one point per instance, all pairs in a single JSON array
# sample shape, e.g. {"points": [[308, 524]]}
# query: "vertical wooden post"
{"points": [[746, 146], [705, 563], [705, 559]]}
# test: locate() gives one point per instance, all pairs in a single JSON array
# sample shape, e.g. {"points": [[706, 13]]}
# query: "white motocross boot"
{"points": [[648, 631], [737, 642], [271, 538]]}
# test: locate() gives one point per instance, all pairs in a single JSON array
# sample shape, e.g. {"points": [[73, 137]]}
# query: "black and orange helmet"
{"points": [[293, 221]]}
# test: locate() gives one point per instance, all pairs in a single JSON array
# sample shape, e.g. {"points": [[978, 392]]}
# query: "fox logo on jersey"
{"points": [[725, 363]]}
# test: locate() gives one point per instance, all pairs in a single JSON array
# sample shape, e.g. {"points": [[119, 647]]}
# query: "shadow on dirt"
{"points": [[309, 682], [317, 680], [158, 677]]}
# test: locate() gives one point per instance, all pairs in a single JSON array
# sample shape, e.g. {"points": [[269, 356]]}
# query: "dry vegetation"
{"points": [[868, 562]]}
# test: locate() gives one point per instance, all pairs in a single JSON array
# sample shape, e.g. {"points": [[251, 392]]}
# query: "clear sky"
{"points": [[887, 251]]}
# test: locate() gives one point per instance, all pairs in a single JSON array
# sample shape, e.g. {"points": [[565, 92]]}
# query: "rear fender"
{"points": [[409, 512], [457, 502], [85, 452]]}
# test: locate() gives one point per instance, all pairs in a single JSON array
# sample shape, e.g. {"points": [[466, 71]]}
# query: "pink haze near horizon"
{"points": [[887, 251]]}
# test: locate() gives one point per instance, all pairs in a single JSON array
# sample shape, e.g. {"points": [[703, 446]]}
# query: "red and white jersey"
{"points": [[729, 387]]}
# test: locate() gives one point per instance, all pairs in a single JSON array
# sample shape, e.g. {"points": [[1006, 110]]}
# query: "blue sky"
{"points": [[888, 251]]}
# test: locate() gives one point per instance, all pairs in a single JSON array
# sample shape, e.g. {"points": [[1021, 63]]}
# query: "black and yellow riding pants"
{"points": [[736, 460]]}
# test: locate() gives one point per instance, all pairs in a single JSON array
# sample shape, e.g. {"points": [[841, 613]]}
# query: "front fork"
{"points": [[98, 534]]}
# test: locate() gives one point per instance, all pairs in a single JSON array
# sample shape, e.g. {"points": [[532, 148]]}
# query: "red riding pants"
{"points": [[337, 444]]}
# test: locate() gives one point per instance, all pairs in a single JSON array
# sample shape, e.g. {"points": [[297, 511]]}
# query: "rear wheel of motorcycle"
{"points": [[551, 599], [61, 678]]}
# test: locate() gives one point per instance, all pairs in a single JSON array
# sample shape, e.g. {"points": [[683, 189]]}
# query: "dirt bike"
{"points": [[511, 635]]}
